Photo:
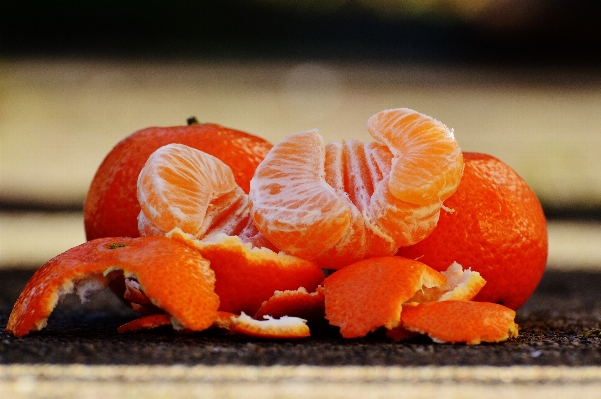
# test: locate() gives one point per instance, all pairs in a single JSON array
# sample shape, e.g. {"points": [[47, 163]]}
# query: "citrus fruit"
{"points": [[248, 276], [370, 294], [174, 277], [342, 202], [146, 322], [461, 321], [111, 207], [180, 186], [497, 228]]}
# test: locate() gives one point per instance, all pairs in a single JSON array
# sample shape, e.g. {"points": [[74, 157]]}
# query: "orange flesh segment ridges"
{"points": [[247, 276], [375, 214], [461, 321], [369, 294], [183, 187], [175, 278]]}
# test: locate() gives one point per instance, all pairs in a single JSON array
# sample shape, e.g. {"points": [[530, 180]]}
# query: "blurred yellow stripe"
{"points": [[80, 381]]}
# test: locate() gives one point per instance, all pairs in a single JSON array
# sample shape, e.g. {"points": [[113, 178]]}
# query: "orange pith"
{"points": [[369, 294], [185, 290], [247, 276], [342, 202], [270, 328], [498, 229], [461, 321], [111, 206], [147, 322]]}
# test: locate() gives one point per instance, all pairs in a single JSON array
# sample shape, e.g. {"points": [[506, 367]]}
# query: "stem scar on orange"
{"points": [[498, 229], [111, 207]]}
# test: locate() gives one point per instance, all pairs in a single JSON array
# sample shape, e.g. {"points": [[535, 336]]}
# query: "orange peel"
{"points": [[247, 276], [175, 278], [297, 303], [461, 321], [283, 328], [369, 294]]}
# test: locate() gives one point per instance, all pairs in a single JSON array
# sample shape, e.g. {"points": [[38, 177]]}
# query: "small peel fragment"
{"points": [[297, 303], [175, 278], [462, 285], [461, 321], [369, 294], [283, 328], [147, 322]]}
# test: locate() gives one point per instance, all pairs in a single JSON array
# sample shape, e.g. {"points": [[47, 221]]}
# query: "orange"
{"points": [[370, 294], [111, 207], [342, 202], [497, 227], [247, 276], [174, 277], [461, 321]]}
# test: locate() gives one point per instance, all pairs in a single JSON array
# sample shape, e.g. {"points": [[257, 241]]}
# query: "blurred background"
{"points": [[519, 79]]}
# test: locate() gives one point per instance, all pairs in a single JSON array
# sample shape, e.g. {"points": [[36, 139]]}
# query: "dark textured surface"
{"points": [[558, 326]]}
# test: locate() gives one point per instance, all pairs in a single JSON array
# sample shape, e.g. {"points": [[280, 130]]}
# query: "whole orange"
{"points": [[497, 227], [111, 207]]}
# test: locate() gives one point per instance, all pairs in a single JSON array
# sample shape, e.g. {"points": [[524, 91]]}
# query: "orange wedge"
{"points": [[297, 303], [270, 328], [461, 321], [183, 187], [174, 277], [247, 276], [369, 294]]}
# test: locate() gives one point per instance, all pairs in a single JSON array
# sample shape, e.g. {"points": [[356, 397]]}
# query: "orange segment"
{"points": [[292, 204], [427, 164], [369, 294], [461, 321], [174, 277], [183, 187], [147, 322], [270, 328], [247, 276], [297, 303]]}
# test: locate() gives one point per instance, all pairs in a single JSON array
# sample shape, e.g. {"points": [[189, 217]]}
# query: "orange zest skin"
{"points": [[461, 321], [185, 290], [143, 323], [247, 276], [369, 294]]}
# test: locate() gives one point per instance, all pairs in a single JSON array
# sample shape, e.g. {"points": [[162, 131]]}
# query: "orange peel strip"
{"points": [[270, 328], [147, 322], [369, 294], [297, 303], [175, 278], [247, 276], [461, 321]]}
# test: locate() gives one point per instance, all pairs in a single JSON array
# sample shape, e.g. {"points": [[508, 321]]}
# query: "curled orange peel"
{"points": [[247, 276], [175, 278]]}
